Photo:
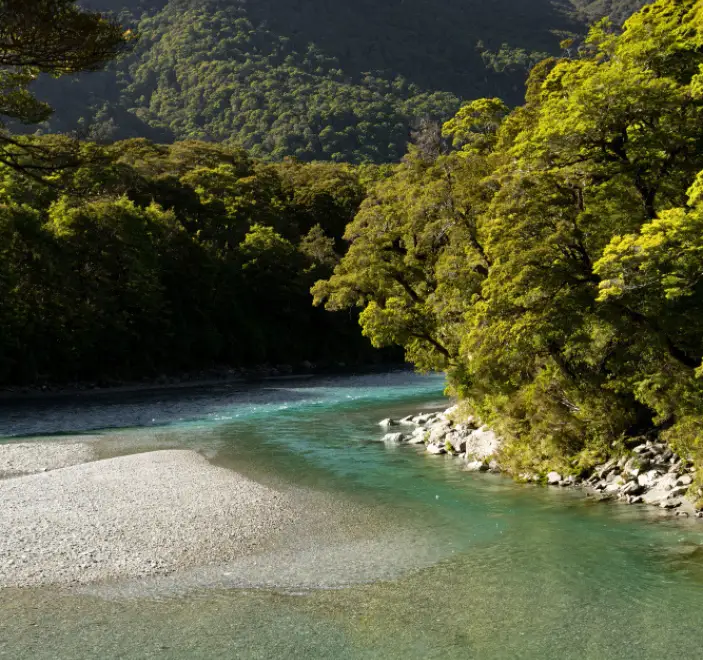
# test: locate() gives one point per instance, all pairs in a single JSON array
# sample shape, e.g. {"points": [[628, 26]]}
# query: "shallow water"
{"points": [[442, 563]]}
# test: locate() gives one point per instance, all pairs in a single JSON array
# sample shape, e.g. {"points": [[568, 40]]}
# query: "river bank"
{"points": [[649, 474], [199, 378]]}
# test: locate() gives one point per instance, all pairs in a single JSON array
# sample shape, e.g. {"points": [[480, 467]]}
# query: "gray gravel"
{"points": [[145, 514], [22, 458]]}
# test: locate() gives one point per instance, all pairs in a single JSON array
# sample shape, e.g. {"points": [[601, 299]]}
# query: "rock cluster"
{"points": [[440, 435], [653, 474], [650, 474]]}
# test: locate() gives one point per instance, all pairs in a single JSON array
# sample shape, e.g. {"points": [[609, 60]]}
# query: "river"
{"points": [[443, 563]]}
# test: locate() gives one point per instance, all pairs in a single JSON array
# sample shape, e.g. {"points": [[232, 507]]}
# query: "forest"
{"points": [[345, 81], [549, 258], [546, 255]]}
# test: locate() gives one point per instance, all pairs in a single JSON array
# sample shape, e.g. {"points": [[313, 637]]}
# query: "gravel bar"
{"points": [[21, 458], [132, 516]]}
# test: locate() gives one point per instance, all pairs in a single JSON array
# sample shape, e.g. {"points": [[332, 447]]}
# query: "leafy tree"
{"points": [[45, 36], [565, 289]]}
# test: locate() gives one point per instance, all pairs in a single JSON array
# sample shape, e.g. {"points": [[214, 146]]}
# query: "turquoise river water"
{"points": [[437, 563]]}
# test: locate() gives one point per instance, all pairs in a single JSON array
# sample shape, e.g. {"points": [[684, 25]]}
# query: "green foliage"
{"points": [[550, 260], [148, 258], [54, 37], [343, 81]]}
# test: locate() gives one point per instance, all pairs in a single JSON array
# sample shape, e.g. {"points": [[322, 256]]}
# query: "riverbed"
{"points": [[414, 558]]}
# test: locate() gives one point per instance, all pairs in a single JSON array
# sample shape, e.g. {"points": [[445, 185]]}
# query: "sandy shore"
{"points": [[137, 515], [22, 458]]}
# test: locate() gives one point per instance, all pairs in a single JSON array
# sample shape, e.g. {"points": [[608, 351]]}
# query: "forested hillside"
{"points": [[342, 81]]}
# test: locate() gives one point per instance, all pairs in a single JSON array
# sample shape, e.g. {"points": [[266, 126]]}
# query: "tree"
{"points": [[55, 37], [563, 291]]}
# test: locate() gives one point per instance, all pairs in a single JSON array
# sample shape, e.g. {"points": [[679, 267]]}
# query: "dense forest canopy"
{"points": [[343, 81], [549, 258]]}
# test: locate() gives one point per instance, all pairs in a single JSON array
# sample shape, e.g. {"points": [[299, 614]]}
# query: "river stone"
{"points": [[553, 478], [387, 423], [685, 480], [407, 421], [648, 479], [438, 433], [393, 438], [417, 437], [436, 449], [671, 503], [614, 484], [632, 488], [482, 444], [457, 441], [664, 489], [476, 466]]}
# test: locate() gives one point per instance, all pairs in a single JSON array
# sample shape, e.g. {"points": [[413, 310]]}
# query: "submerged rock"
{"points": [[393, 438]]}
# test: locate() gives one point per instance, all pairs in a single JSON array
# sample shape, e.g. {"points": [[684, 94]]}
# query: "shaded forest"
{"points": [[341, 81]]}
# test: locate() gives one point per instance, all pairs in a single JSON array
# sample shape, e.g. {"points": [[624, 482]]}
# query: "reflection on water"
{"points": [[443, 564]]}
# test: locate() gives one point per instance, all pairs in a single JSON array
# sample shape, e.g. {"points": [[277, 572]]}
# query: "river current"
{"points": [[443, 563]]}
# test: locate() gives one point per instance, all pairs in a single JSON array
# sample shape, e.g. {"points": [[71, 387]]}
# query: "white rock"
{"points": [[476, 466], [387, 423], [436, 449], [553, 478], [394, 438], [439, 433], [685, 480], [482, 444], [648, 479], [457, 441], [418, 437]]}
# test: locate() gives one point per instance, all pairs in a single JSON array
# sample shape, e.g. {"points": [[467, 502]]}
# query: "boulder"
{"points": [[417, 437], [482, 444], [648, 479], [614, 484], [553, 478], [457, 441], [493, 465], [476, 466], [387, 423], [394, 438], [664, 489], [438, 433], [685, 480], [632, 488], [436, 449], [407, 421]]}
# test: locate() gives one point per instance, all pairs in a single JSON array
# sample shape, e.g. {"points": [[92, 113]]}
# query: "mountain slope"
{"points": [[315, 79]]}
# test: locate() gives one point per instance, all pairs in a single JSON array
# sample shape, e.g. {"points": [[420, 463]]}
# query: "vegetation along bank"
{"points": [[547, 257]]}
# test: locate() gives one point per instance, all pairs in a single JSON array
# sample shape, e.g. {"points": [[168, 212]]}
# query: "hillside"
{"points": [[314, 79]]}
